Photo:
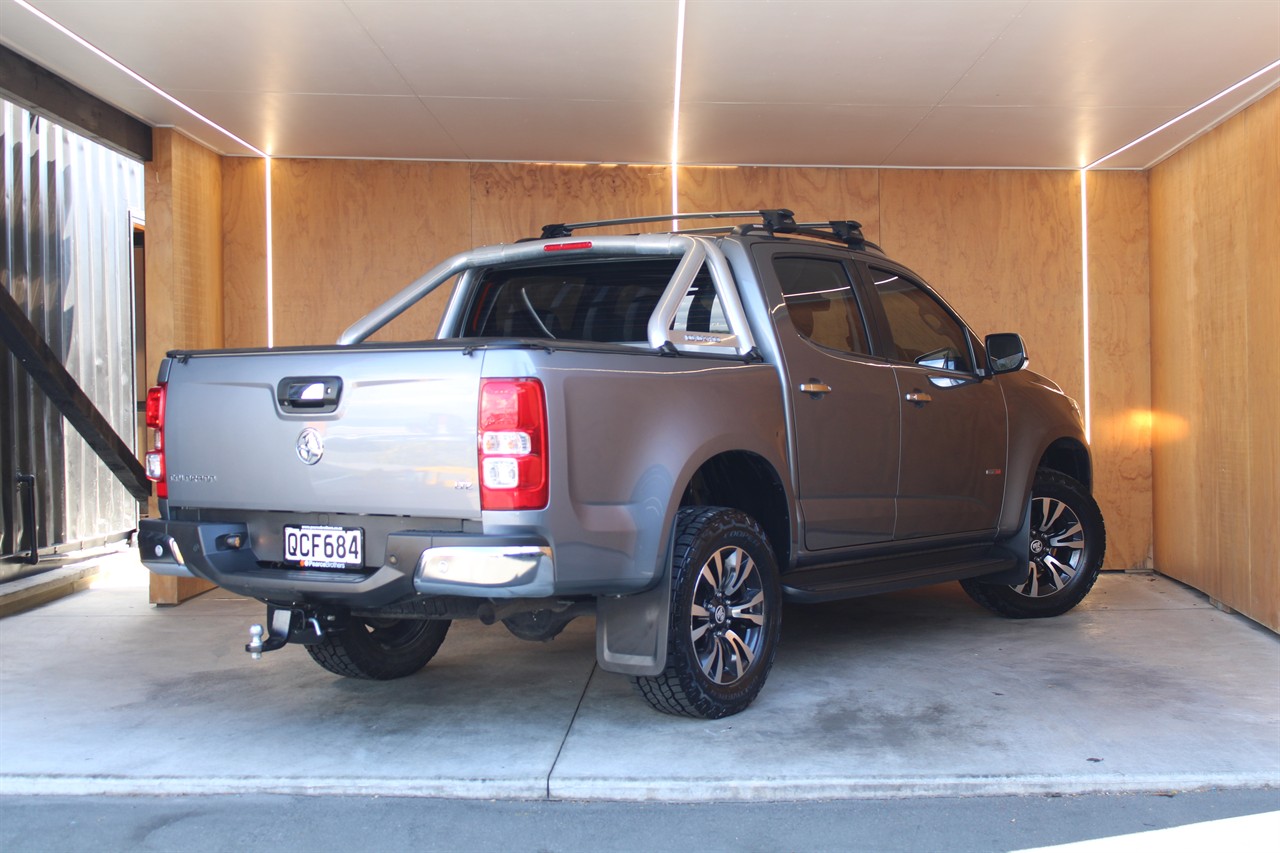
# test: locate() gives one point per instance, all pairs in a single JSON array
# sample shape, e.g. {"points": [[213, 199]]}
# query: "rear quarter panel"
{"points": [[627, 433]]}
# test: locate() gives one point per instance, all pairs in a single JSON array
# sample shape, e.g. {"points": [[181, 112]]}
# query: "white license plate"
{"points": [[318, 547]]}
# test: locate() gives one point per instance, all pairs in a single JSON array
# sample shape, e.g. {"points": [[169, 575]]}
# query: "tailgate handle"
{"points": [[311, 395]]}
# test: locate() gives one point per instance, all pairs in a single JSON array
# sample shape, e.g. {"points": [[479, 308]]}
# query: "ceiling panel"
{"points": [[314, 47], [981, 83], [792, 134], [621, 50], [330, 125], [1122, 54], [836, 52], [571, 131], [1021, 137]]}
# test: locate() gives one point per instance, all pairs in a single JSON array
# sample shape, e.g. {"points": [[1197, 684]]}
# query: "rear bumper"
{"points": [[415, 563]]}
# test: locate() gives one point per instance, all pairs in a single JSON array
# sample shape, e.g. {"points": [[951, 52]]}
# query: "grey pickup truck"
{"points": [[671, 432]]}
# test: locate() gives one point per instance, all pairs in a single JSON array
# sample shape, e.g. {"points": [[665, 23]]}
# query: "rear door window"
{"points": [[821, 304]]}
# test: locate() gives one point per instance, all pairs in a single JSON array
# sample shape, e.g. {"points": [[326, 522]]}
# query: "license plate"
{"points": [[318, 547]]}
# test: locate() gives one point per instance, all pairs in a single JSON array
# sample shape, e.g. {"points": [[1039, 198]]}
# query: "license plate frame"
{"points": [[323, 546]]}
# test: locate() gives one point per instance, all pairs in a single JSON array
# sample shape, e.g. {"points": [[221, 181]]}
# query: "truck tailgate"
{"points": [[370, 431]]}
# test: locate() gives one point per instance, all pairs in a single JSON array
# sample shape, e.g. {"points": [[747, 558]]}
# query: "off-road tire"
{"points": [[380, 649], [720, 646], [1064, 562]]}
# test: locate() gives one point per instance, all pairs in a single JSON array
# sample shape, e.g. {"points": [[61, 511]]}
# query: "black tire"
{"points": [[1068, 540], [380, 649], [726, 612]]}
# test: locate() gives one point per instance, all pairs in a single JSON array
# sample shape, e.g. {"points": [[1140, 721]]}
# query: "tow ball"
{"points": [[284, 625]]}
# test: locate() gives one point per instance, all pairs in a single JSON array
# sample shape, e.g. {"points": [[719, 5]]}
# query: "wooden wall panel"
{"points": [[350, 233], [1120, 356], [1004, 249], [814, 194], [1215, 270], [244, 251], [514, 200], [183, 271], [1262, 141]]}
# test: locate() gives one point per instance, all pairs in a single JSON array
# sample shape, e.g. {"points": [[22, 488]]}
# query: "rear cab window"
{"points": [[599, 302]]}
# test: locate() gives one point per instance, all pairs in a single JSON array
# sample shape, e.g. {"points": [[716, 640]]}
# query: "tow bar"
{"points": [[285, 625]]}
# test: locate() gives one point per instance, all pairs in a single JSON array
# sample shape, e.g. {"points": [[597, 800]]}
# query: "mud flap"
{"points": [[631, 630]]}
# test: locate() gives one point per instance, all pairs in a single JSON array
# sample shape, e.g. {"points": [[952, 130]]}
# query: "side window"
{"points": [[923, 332], [821, 303]]}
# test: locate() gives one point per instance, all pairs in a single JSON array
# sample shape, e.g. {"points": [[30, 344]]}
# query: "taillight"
{"points": [[513, 444], [155, 457]]}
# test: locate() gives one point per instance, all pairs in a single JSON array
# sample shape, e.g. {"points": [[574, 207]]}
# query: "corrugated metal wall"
{"points": [[66, 257]]}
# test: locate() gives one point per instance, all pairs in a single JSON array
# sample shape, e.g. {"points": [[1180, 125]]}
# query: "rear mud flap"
{"points": [[631, 630]]}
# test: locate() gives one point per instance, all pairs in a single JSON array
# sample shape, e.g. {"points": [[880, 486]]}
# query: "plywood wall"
{"points": [[348, 234], [514, 200], [184, 248], [1215, 307], [813, 194], [1120, 364], [244, 252]]}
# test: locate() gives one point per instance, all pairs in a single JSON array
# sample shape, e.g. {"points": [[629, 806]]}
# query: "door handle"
{"points": [[918, 397], [814, 387]]}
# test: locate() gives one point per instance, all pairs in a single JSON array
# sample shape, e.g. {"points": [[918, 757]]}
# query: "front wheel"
{"points": [[725, 616], [1068, 539], [379, 649]]}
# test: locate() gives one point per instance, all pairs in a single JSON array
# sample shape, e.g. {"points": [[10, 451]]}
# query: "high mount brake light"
{"points": [[155, 458], [567, 247], [512, 444]]}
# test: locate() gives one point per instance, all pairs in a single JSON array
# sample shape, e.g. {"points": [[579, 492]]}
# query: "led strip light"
{"points": [[675, 117]]}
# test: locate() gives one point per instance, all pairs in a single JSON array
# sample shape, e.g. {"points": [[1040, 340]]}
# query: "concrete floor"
{"points": [[1144, 687]]}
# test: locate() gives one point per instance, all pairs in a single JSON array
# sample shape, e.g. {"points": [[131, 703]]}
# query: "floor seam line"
{"points": [[569, 728]]}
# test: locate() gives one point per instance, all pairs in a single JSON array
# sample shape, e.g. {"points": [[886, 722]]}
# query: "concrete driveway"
{"points": [[1145, 687]]}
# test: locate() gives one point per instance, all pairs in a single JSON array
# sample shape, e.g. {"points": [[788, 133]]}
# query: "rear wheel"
{"points": [[1068, 539], [379, 649], [725, 616]]}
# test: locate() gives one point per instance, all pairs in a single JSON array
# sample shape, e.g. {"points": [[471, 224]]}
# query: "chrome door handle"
{"points": [[918, 397], [815, 388]]}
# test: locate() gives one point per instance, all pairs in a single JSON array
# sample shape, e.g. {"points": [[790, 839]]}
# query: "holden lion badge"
{"points": [[310, 446]]}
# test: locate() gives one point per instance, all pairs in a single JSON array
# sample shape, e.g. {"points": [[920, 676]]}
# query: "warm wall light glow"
{"points": [[675, 116], [1167, 428]]}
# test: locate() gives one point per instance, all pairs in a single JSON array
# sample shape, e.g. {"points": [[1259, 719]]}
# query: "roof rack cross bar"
{"points": [[557, 230]]}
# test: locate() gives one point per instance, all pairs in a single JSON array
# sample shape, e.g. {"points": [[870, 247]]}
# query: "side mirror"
{"points": [[1005, 352]]}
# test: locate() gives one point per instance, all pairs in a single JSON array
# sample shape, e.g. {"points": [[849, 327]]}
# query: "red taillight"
{"points": [[513, 444], [155, 407], [155, 458]]}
